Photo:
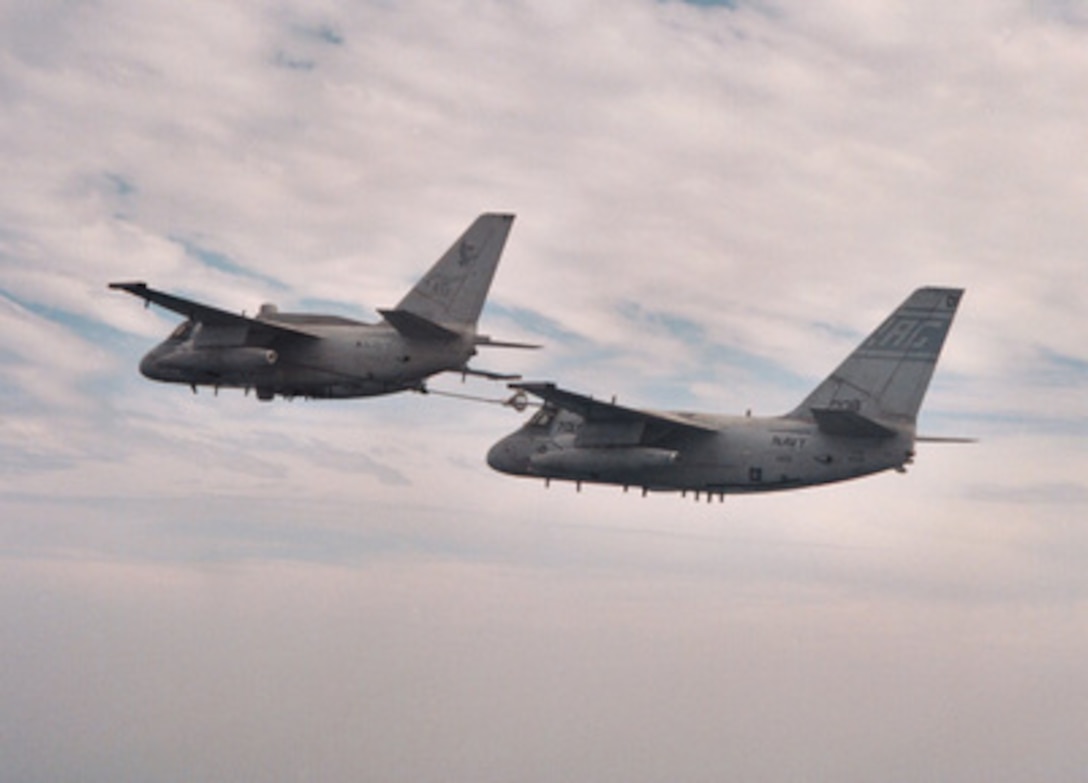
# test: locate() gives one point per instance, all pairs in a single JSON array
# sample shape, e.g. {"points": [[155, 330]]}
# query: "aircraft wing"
{"points": [[206, 314], [606, 412]]}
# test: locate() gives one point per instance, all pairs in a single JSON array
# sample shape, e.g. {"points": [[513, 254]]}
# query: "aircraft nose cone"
{"points": [[497, 457], [506, 457], [147, 366], [151, 366]]}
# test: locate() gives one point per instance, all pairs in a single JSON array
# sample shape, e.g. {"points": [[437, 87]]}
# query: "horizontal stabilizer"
{"points": [[849, 424], [416, 327], [487, 342]]}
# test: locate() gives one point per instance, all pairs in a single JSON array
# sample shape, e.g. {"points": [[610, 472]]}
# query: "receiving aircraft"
{"points": [[431, 330], [860, 420]]}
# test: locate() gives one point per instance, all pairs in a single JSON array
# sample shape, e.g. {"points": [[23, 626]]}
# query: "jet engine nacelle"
{"points": [[601, 460], [243, 360]]}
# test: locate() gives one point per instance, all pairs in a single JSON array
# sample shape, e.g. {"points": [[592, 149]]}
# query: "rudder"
{"points": [[886, 377], [454, 289]]}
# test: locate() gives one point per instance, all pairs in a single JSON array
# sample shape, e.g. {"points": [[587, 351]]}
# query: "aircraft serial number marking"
{"points": [[789, 442], [852, 404]]}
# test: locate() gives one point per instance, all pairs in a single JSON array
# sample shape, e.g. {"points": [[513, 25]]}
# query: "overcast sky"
{"points": [[716, 201]]}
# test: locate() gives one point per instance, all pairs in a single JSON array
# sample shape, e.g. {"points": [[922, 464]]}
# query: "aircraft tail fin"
{"points": [[886, 377], [453, 291]]}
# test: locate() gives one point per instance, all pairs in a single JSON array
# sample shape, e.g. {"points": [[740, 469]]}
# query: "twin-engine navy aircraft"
{"points": [[860, 420], [432, 330]]}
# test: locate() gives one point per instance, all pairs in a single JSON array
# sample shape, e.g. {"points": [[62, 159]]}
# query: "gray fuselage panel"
{"points": [[746, 454], [343, 360]]}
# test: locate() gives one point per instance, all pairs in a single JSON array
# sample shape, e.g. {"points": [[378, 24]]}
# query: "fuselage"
{"points": [[342, 358], [736, 454]]}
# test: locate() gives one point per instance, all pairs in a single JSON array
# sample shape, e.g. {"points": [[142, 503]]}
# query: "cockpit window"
{"points": [[543, 418], [184, 331]]}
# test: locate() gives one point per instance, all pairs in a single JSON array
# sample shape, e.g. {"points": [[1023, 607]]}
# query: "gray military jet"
{"points": [[860, 420], [431, 330]]}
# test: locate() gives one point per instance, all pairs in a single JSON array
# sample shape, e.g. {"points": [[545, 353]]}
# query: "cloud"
{"points": [[716, 202], [1043, 493]]}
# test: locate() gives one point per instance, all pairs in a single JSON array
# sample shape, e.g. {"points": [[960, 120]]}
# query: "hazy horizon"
{"points": [[715, 202]]}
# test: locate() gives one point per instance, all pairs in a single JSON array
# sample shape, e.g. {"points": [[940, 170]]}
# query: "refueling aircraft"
{"points": [[860, 420], [431, 330]]}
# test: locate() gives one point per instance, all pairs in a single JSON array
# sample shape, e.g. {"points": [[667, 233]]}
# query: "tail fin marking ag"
{"points": [[886, 377], [453, 291]]}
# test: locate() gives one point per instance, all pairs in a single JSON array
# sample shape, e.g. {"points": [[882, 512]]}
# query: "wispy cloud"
{"points": [[715, 201], [1055, 492], [222, 263]]}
